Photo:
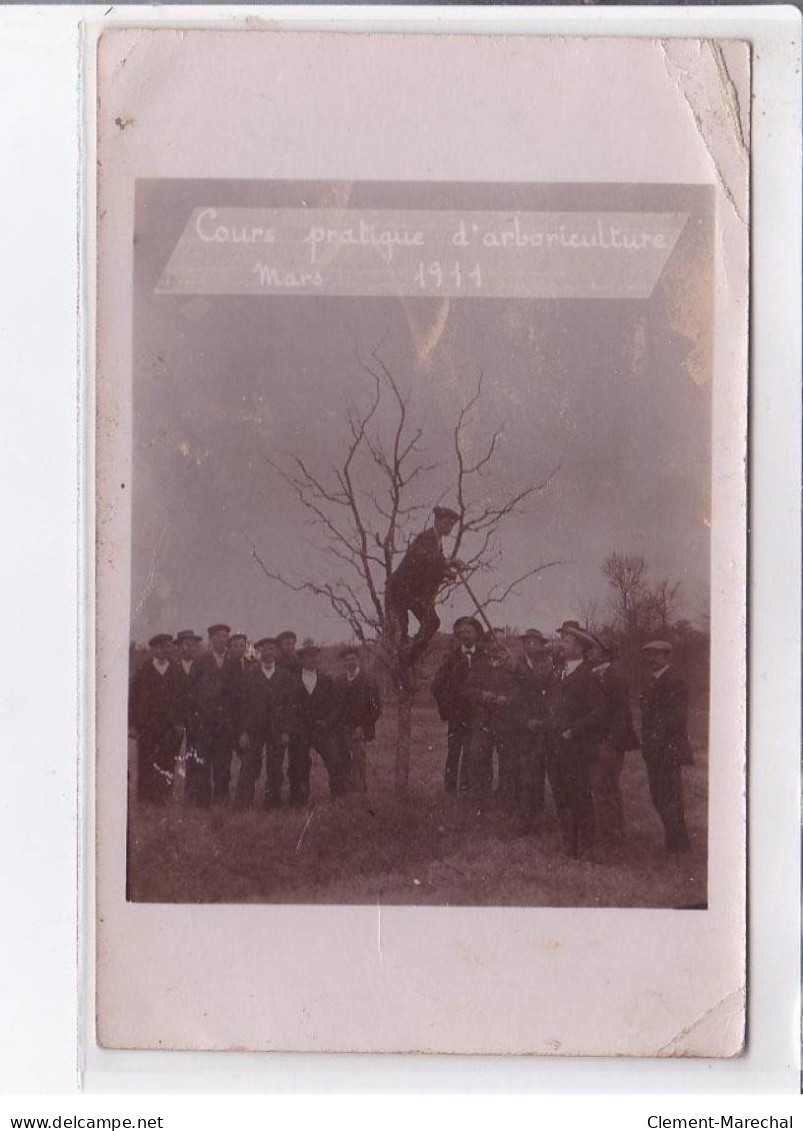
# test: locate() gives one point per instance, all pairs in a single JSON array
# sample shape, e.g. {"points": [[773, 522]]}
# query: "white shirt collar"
{"points": [[187, 665], [309, 679], [600, 669], [161, 665], [219, 660], [269, 669], [573, 665], [658, 674], [351, 678]]}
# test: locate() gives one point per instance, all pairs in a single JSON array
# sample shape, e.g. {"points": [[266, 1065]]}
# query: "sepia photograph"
{"points": [[420, 574], [421, 516]]}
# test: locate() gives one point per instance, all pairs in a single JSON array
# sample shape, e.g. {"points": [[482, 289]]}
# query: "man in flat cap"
{"points": [[314, 715], [665, 741], [533, 670], [413, 586], [154, 719], [575, 711], [618, 737], [209, 766], [454, 708], [359, 707], [264, 726]]}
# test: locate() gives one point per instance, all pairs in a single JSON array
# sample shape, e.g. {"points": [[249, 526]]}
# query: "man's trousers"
{"points": [[665, 779], [607, 794], [271, 751], [156, 763], [300, 763], [209, 766], [458, 743]]}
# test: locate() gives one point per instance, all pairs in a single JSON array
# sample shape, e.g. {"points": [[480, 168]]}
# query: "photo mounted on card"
{"points": [[420, 543]]}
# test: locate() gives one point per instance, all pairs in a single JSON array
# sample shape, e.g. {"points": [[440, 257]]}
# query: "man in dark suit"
{"points": [[413, 586], [575, 712], [493, 691], [154, 719], [264, 725], [665, 741], [618, 737], [533, 670], [359, 705], [448, 688], [237, 667], [209, 765], [186, 650], [315, 711]]}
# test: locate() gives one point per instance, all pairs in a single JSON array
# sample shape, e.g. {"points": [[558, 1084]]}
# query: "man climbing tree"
{"points": [[413, 588], [364, 507]]}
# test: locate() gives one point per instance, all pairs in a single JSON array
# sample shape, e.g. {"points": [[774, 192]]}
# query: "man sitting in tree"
{"points": [[413, 586]]}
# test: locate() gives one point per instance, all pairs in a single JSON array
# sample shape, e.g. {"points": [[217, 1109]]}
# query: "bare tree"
{"points": [[363, 510], [626, 574], [589, 611], [662, 602]]}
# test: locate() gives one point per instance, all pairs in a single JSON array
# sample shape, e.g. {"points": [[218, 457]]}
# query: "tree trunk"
{"points": [[404, 719]]}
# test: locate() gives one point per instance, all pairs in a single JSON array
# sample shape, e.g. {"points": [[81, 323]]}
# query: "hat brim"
{"points": [[578, 634]]}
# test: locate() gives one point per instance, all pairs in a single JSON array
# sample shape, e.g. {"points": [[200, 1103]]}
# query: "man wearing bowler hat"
{"points": [[665, 741], [413, 586], [575, 715], [264, 726], [209, 768], [154, 719], [533, 670], [454, 708]]}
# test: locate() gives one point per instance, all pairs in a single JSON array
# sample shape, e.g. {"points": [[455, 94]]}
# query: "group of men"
{"points": [[558, 713], [561, 714], [273, 712]]}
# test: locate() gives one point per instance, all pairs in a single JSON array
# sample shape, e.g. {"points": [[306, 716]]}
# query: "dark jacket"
{"points": [[267, 705], [291, 664], [209, 693], [359, 704], [664, 706], [153, 703], [421, 572], [448, 686], [534, 683], [236, 674], [618, 717], [185, 694], [501, 681], [314, 711], [575, 703]]}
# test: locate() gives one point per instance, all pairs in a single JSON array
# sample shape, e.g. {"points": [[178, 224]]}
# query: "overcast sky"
{"points": [[615, 392]]}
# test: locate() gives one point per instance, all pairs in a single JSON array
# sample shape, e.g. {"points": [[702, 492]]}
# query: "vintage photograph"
{"points": [[420, 544]]}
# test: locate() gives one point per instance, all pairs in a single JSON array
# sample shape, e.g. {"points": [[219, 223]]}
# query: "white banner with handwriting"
{"points": [[454, 254]]}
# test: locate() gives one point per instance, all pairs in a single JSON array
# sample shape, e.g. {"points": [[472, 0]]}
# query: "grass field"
{"points": [[424, 848]]}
